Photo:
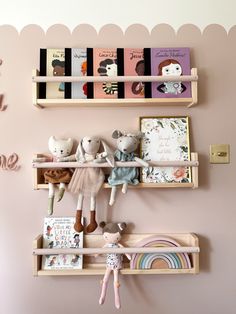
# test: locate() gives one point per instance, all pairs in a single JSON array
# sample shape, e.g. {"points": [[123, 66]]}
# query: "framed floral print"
{"points": [[165, 139]]}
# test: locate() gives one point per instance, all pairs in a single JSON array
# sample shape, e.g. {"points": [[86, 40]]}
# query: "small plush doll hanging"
{"points": [[127, 144], [112, 235], [59, 148], [87, 181]]}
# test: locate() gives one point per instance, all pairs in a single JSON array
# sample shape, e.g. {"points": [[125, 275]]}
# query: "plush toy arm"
{"points": [[128, 255], [68, 158], [141, 161]]}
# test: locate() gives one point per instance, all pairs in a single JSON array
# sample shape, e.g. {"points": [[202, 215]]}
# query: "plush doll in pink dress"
{"points": [[112, 235]]}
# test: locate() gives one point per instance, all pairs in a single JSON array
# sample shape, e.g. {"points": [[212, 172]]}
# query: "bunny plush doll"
{"points": [[87, 181]]}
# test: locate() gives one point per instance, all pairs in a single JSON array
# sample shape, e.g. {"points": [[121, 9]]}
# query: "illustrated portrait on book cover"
{"points": [[108, 67], [170, 67]]}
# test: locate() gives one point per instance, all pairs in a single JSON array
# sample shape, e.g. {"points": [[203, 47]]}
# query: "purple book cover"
{"points": [[170, 61]]}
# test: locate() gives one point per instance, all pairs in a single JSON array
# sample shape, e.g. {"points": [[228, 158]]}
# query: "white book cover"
{"points": [[59, 232]]}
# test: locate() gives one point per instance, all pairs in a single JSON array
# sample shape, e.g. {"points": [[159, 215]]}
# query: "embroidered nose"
{"points": [[125, 149]]}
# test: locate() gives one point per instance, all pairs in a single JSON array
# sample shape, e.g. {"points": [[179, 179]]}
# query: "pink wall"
{"points": [[208, 211]]}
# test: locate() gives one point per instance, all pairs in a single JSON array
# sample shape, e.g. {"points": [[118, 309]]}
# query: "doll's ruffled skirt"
{"points": [[87, 181]]}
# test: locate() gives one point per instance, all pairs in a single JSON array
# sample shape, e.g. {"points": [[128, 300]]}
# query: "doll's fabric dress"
{"points": [[121, 175], [113, 260], [87, 181], [59, 175]]}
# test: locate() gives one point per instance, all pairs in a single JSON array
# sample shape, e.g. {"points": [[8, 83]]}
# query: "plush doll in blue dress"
{"points": [[127, 144]]}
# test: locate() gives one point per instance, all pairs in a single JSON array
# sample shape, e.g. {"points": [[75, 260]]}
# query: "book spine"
{"points": [[120, 72], [68, 72], [90, 85], [147, 71], [43, 72]]}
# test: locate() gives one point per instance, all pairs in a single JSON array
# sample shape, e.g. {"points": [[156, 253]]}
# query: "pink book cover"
{"points": [[105, 64], [134, 66], [170, 61]]}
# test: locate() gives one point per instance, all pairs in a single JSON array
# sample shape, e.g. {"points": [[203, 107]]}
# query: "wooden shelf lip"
{"points": [[124, 271], [118, 164], [126, 250], [140, 78], [114, 102]]}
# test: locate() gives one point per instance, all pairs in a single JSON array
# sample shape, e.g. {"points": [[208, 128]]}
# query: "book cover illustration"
{"points": [[78, 68], [52, 63], [170, 62], [165, 139], [105, 64], [58, 232], [133, 66]]}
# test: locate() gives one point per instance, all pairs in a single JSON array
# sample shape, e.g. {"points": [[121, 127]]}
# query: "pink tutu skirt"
{"points": [[87, 181]]}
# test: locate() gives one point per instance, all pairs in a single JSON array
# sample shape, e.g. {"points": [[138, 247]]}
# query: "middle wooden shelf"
{"points": [[39, 169]]}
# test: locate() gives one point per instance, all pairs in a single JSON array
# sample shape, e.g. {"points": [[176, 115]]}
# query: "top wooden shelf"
{"points": [[119, 102]]}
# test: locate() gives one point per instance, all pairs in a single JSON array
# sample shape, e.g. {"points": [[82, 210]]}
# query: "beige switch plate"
{"points": [[219, 153]]}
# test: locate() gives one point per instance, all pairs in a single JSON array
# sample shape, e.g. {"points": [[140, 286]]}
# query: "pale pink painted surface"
{"points": [[209, 211]]}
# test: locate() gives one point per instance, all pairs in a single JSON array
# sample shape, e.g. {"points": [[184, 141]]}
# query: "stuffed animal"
{"points": [[59, 148], [112, 235], [86, 182], [127, 145]]}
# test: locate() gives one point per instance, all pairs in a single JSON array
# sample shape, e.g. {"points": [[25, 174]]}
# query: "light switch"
{"points": [[219, 153]]}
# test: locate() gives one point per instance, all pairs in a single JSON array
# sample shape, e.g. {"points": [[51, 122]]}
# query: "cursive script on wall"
{"points": [[9, 163]]}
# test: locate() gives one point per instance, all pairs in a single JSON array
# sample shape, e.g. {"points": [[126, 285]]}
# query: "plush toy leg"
{"points": [[104, 286], [125, 188], [78, 226], [51, 195], [116, 288], [62, 188], [93, 224], [113, 195]]}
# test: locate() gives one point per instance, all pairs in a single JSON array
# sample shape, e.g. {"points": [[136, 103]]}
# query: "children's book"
{"points": [[52, 63], [168, 62], [104, 64], [76, 65], [59, 232], [132, 60]]}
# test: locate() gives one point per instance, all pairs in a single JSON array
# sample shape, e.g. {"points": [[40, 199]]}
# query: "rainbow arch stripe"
{"points": [[146, 260]]}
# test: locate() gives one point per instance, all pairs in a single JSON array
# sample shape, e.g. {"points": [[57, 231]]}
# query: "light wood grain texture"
{"points": [[93, 266]]}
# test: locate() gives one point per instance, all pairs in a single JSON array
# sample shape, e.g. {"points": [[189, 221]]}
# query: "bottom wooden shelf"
{"points": [[92, 266]]}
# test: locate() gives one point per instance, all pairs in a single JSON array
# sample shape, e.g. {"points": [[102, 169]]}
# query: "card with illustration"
{"points": [[165, 139]]}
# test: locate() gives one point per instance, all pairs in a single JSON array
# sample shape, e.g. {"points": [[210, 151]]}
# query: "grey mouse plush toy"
{"points": [[127, 144]]}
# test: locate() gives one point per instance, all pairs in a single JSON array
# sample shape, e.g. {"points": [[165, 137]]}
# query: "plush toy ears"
{"points": [[102, 224], [140, 135], [122, 225], [116, 134], [51, 140], [80, 151]]}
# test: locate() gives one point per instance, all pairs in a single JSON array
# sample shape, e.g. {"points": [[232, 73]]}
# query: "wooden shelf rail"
{"points": [[140, 78], [117, 164], [126, 250]]}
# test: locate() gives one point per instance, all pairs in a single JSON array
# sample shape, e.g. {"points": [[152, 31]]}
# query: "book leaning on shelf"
{"points": [[58, 232]]}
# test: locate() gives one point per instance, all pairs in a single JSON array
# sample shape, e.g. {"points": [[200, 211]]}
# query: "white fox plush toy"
{"points": [[59, 148]]}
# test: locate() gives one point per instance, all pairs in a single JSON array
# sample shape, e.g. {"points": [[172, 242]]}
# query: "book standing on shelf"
{"points": [[131, 63], [167, 62], [52, 63], [58, 232], [102, 62], [76, 65]]}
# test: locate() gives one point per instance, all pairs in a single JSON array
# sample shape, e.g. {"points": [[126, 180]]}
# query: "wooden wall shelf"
{"points": [[127, 102], [189, 242], [39, 168]]}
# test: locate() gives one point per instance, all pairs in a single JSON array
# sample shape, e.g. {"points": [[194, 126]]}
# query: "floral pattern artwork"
{"points": [[165, 139]]}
